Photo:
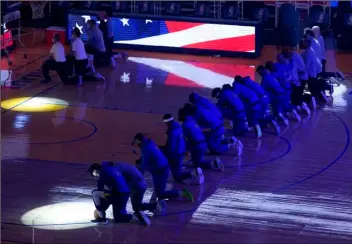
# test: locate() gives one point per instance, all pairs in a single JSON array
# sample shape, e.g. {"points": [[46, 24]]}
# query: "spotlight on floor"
{"points": [[34, 104], [61, 216]]}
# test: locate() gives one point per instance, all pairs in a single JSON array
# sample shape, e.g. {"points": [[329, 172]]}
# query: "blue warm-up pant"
{"points": [[214, 140], [137, 195], [103, 199], [277, 102], [197, 151], [253, 112], [238, 119], [176, 164], [160, 178]]}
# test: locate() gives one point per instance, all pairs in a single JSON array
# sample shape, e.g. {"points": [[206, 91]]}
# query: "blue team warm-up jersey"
{"points": [[193, 133], [228, 98], [132, 175], [246, 94], [206, 119], [152, 158], [271, 85], [254, 86], [112, 178], [205, 103], [175, 144]]}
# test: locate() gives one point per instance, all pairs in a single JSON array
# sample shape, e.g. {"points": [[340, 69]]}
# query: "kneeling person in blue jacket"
{"points": [[112, 189], [175, 150], [154, 161]]}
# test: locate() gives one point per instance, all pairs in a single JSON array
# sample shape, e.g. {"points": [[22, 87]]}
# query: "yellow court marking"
{"points": [[34, 104]]}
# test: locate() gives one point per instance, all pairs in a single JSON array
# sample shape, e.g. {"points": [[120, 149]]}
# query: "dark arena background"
{"points": [[294, 188]]}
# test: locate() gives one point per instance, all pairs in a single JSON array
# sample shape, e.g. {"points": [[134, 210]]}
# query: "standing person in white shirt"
{"points": [[296, 66], [315, 45], [311, 61], [56, 61], [320, 39], [80, 60], [324, 74]]}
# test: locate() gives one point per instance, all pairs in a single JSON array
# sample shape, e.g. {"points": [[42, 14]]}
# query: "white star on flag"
{"points": [[125, 78], [148, 82], [86, 18], [125, 22], [148, 21], [80, 28]]}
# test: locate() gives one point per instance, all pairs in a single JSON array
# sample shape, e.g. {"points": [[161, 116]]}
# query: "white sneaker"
{"points": [[160, 207], [112, 62], [217, 164], [326, 99], [297, 116], [276, 127], [306, 108], [239, 148], [258, 131], [231, 124], [314, 103], [80, 83], [199, 176], [284, 119], [141, 217]]}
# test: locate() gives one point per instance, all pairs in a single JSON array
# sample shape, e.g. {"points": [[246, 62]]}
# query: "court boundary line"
{"points": [[237, 173], [92, 133], [339, 156], [38, 94], [344, 150]]}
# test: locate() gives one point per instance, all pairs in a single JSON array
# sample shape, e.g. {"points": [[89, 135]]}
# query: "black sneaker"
{"points": [[331, 89], [100, 221], [142, 218], [126, 218], [340, 75]]}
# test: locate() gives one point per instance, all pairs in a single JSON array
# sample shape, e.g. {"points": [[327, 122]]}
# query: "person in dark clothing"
{"points": [[112, 189], [175, 150], [156, 163]]}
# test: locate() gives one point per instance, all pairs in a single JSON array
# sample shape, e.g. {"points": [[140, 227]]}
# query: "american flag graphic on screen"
{"points": [[148, 32]]}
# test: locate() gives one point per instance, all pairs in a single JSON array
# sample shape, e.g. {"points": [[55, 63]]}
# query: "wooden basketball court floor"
{"points": [[292, 188]]}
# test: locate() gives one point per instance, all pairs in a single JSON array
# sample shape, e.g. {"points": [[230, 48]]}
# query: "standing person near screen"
{"points": [[111, 37], [320, 39]]}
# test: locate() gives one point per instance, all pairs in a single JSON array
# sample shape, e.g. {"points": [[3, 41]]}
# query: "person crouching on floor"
{"points": [[112, 189]]}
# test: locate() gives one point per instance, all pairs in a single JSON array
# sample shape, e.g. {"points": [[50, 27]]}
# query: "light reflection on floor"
{"points": [[73, 214], [321, 213], [181, 73]]}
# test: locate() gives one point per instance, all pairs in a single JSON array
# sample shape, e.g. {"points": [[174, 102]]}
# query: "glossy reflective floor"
{"points": [[293, 188]]}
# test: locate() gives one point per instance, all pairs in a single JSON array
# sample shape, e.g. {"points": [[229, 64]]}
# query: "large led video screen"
{"points": [[175, 34]]}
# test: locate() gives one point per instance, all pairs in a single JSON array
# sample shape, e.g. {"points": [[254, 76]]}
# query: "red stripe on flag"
{"points": [[175, 26], [234, 44], [174, 80], [230, 70]]}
